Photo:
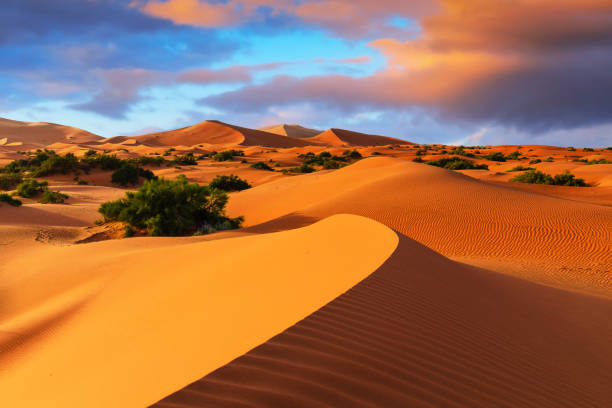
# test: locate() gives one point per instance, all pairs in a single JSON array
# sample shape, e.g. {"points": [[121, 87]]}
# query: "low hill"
{"points": [[293, 130], [41, 134], [341, 137], [213, 132]]}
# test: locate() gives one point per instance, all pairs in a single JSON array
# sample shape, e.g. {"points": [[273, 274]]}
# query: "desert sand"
{"points": [[382, 283]]}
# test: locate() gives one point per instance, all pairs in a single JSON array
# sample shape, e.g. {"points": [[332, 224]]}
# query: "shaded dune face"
{"points": [[557, 241], [424, 331], [341, 137], [218, 133], [292, 131]]}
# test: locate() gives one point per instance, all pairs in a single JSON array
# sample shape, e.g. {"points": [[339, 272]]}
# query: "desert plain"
{"points": [[378, 280]]}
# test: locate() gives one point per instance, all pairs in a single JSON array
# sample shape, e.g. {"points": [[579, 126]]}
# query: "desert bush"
{"points": [[10, 180], [187, 159], [228, 155], [535, 161], [591, 162], [172, 208], [548, 159], [352, 154], [519, 168], [460, 150], [229, 183], [304, 168], [56, 164], [6, 198], [130, 173], [418, 160], [53, 197], [457, 163], [515, 155], [571, 149], [31, 187], [495, 156], [588, 149], [538, 177], [261, 166]]}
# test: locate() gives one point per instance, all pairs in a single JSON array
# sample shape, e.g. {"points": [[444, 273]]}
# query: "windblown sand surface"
{"points": [[455, 215], [464, 289], [124, 323]]}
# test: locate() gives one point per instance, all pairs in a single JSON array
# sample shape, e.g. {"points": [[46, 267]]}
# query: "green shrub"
{"points": [[229, 183], [130, 173], [591, 162], [228, 155], [187, 159], [31, 187], [379, 153], [495, 156], [172, 208], [56, 164], [128, 231], [460, 150], [457, 163], [261, 166], [514, 155], [519, 168], [6, 198], [304, 168], [588, 149], [538, 177], [548, 159], [535, 161], [10, 180], [571, 149], [81, 182], [53, 197], [352, 154]]}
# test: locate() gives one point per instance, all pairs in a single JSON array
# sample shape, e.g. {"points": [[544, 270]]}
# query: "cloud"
{"points": [[349, 18], [234, 74], [121, 88], [533, 65]]}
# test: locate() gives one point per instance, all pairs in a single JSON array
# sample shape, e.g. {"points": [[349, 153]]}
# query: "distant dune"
{"points": [[341, 137], [40, 134], [217, 133], [293, 130]]}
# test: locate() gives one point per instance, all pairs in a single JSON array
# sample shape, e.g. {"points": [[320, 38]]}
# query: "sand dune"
{"points": [[217, 133], [553, 240], [341, 137], [423, 331], [293, 130], [39, 134], [124, 323]]}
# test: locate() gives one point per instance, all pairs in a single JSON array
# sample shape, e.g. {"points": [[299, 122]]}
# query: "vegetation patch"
{"points": [[10, 180], [228, 155], [457, 163], [538, 177], [261, 166], [130, 173], [6, 198], [53, 197], [591, 162], [31, 187], [495, 156], [519, 168], [304, 168], [172, 208], [229, 183]]}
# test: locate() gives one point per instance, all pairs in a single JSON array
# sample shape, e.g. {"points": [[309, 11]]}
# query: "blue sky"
{"points": [[122, 67]]}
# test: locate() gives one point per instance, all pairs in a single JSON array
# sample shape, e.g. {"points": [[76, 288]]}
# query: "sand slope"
{"points": [[423, 331], [553, 240], [293, 130], [40, 134], [124, 323], [217, 133], [341, 137]]}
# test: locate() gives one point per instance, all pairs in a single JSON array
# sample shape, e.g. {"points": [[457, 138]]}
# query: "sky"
{"points": [[469, 72]]}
